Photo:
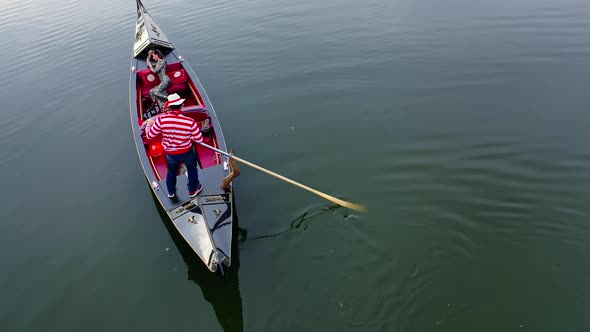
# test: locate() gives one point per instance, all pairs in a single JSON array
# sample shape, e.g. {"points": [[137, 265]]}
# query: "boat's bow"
{"points": [[148, 33]]}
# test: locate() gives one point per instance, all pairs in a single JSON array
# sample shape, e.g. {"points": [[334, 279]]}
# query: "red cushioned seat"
{"points": [[173, 66], [176, 88], [177, 74], [147, 80], [179, 79]]}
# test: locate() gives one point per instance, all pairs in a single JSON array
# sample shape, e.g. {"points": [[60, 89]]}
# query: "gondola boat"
{"points": [[205, 222]]}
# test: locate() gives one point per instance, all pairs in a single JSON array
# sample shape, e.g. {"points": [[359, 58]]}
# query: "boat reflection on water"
{"points": [[223, 292]]}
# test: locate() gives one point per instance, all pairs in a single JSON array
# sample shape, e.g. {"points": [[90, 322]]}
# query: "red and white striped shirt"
{"points": [[178, 131]]}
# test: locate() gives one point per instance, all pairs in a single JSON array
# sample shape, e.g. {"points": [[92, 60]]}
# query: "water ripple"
{"points": [[462, 125]]}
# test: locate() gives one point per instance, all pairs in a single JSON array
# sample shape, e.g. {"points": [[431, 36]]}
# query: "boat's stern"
{"points": [[206, 225]]}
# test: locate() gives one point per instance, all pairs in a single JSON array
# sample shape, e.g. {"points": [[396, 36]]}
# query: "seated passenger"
{"points": [[159, 91]]}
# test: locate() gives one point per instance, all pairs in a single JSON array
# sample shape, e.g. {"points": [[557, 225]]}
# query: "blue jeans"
{"points": [[174, 161]]}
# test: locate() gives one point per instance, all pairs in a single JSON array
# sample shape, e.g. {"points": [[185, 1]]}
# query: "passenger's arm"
{"points": [[158, 67]]}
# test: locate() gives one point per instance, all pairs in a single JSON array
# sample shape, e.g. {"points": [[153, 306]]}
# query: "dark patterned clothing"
{"points": [[159, 91]]}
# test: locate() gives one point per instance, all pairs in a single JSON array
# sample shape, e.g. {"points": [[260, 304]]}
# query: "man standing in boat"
{"points": [[178, 133]]}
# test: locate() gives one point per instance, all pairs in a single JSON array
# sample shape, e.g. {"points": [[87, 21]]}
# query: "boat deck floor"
{"points": [[210, 178]]}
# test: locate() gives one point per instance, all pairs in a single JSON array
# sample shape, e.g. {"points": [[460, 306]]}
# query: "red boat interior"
{"points": [[194, 107]]}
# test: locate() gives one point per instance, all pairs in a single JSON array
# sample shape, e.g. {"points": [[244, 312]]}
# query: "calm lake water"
{"points": [[463, 125]]}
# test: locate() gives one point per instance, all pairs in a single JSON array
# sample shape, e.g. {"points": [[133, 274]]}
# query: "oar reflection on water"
{"points": [[297, 223]]}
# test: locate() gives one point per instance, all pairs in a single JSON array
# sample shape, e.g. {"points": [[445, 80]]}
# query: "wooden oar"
{"points": [[352, 206]]}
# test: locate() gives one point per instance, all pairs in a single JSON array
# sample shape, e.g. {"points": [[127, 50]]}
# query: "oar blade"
{"points": [[353, 206]]}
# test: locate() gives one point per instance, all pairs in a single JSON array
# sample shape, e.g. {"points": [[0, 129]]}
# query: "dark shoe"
{"points": [[171, 195], [196, 192]]}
